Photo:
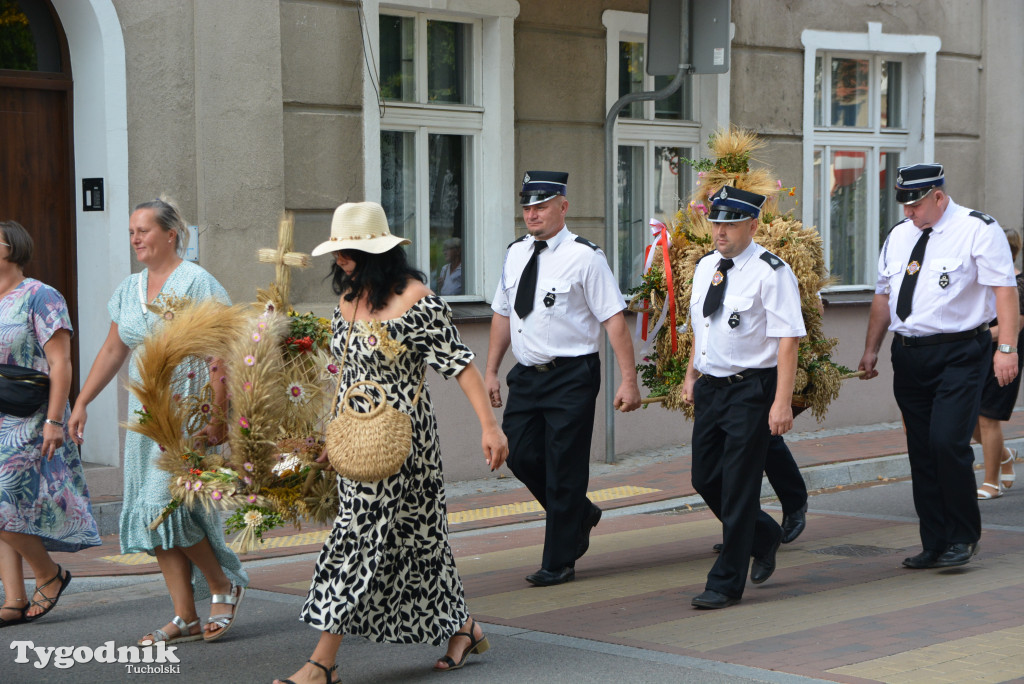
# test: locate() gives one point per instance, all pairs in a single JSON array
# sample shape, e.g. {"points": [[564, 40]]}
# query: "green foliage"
{"points": [[308, 332], [259, 519], [17, 47]]}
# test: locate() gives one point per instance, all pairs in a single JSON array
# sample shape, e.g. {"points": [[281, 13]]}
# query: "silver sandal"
{"points": [[184, 633], [224, 622]]}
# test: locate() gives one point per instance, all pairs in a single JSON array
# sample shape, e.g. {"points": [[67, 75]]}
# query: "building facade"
{"points": [[244, 109]]}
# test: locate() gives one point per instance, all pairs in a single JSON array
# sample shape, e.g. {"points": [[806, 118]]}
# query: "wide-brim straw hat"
{"points": [[362, 226]]}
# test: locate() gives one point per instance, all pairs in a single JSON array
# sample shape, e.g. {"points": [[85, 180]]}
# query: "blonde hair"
{"points": [[168, 217]]}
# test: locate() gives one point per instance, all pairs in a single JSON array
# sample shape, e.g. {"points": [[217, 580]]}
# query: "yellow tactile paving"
{"points": [[319, 536], [722, 629], [130, 558], [520, 507], [991, 657]]}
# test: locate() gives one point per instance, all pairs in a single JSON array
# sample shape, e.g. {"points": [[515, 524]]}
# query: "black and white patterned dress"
{"points": [[386, 571]]}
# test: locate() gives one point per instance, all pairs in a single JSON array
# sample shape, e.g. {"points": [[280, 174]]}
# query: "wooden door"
{"points": [[36, 179]]}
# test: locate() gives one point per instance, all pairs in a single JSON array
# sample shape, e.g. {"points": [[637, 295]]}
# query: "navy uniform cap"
{"points": [[730, 205], [914, 182], [540, 186]]}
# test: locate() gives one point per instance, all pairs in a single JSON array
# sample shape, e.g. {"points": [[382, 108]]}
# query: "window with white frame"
{"points": [[651, 139], [429, 142], [866, 113]]}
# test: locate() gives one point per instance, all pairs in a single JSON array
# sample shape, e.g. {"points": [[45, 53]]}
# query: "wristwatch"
{"points": [[54, 422], [1007, 349]]}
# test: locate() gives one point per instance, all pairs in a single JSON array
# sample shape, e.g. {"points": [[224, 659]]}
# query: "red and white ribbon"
{"points": [[662, 242]]}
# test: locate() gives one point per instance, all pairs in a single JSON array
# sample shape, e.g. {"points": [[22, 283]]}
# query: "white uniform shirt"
{"points": [[964, 251], [767, 302], [577, 282]]}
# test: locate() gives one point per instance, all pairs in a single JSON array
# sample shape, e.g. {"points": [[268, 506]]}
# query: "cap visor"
{"points": [[530, 200], [912, 196], [726, 216]]}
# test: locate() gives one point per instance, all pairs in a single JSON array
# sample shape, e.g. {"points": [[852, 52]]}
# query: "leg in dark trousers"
{"points": [[784, 475], [730, 442], [938, 390], [549, 421]]}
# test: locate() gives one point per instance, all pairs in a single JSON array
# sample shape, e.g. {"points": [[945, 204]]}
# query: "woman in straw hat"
{"points": [[386, 571]]}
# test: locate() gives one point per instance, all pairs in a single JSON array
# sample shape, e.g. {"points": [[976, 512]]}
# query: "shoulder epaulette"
{"points": [[518, 239], [706, 254], [775, 262], [588, 243], [983, 216]]}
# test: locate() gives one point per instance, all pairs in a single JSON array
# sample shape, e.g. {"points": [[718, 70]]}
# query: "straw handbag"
{"points": [[370, 446]]}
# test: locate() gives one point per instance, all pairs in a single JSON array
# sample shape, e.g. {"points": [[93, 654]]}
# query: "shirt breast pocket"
{"points": [[554, 296], [508, 285], [736, 312], [889, 273], [945, 276]]}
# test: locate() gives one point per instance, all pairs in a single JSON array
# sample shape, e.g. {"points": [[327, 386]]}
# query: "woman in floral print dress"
{"points": [[44, 502]]}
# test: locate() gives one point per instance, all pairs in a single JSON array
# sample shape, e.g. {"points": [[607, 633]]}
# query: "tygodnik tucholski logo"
{"points": [[156, 659]]}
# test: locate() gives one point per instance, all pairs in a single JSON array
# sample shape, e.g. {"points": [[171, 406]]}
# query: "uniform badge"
{"points": [[913, 268], [549, 299], [734, 320], [717, 278], [944, 281]]}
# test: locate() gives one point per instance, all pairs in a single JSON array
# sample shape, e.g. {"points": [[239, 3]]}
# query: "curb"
{"points": [[825, 476]]}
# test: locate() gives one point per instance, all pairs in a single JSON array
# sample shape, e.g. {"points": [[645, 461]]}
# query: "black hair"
{"points": [[379, 275], [19, 240]]}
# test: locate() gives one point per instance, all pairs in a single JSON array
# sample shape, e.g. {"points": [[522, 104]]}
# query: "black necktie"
{"points": [[906, 297], [528, 282], [716, 290]]}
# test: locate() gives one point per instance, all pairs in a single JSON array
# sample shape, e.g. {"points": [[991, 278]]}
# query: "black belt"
{"points": [[557, 362], [733, 379], [908, 341]]}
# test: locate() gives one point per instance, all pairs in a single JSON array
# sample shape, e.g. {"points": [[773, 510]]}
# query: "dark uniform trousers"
{"points": [[549, 421], [784, 475], [730, 443], [938, 389]]}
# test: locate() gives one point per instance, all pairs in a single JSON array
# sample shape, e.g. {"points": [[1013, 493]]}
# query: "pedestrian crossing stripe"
{"points": [[488, 513]]}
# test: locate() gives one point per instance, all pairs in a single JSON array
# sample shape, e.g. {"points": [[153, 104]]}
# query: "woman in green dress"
{"points": [[189, 544]]}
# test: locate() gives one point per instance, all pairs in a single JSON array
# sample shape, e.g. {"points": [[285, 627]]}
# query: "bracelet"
{"points": [[54, 422]]}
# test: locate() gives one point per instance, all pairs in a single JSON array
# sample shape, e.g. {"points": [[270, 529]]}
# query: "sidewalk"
{"points": [[828, 459]]}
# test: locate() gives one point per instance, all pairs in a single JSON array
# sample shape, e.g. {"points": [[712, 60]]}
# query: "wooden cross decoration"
{"points": [[284, 259]]}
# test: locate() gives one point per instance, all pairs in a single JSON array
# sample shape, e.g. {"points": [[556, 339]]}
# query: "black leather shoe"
{"points": [[589, 523], [549, 578], [793, 524], [956, 554], [712, 599], [923, 560], [763, 566], [717, 548]]}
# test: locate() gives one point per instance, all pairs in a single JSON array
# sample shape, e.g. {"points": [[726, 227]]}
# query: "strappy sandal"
{"points": [[1007, 480], [184, 633], [985, 495], [476, 646], [47, 603], [224, 622], [18, 620], [328, 672]]}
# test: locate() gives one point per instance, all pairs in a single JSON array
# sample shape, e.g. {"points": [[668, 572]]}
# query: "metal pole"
{"points": [[609, 236]]}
